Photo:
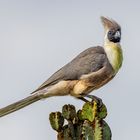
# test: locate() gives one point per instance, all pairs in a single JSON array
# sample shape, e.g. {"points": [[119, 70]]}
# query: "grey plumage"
{"points": [[20, 104], [90, 60], [90, 70]]}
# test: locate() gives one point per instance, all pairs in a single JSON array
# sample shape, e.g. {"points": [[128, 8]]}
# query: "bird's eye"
{"points": [[109, 32], [119, 30]]}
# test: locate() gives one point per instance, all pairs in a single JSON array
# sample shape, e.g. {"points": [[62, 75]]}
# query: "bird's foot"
{"points": [[96, 99], [83, 99]]}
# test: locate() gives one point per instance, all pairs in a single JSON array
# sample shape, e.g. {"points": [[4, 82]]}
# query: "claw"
{"points": [[96, 99]]}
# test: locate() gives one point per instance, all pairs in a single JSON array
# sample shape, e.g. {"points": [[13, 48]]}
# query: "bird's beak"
{"points": [[117, 35]]}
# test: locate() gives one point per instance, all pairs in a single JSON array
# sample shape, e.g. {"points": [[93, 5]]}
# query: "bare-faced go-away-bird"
{"points": [[90, 70]]}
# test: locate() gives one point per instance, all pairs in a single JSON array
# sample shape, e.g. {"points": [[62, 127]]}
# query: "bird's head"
{"points": [[112, 30]]}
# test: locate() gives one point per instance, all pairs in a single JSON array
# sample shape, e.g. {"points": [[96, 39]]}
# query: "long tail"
{"points": [[20, 104]]}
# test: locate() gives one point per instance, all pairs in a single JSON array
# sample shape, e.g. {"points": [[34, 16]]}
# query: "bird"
{"points": [[88, 71]]}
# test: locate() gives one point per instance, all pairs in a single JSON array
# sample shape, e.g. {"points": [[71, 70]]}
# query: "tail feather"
{"points": [[20, 104]]}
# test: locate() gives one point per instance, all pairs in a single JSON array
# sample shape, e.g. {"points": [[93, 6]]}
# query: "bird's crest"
{"points": [[109, 23]]}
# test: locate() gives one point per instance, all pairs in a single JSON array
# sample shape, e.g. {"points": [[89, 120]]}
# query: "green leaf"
{"points": [[89, 111], [56, 121], [97, 130], [87, 131], [106, 131], [102, 112], [69, 112]]}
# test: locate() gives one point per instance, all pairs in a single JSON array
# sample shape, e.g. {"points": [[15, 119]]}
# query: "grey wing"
{"points": [[90, 60]]}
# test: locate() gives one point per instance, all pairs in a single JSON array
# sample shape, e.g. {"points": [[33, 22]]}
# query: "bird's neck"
{"points": [[114, 54]]}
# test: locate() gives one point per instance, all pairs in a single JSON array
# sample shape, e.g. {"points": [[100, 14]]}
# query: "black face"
{"points": [[114, 35]]}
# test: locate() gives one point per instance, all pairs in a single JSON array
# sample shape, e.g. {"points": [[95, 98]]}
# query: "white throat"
{"points": [[114, 54]]}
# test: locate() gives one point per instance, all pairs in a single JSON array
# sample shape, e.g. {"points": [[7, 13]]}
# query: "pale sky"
{"points": [[37, 37]]}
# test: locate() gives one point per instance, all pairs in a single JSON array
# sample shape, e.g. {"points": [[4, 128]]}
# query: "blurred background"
{"points": [[37, 37]]}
